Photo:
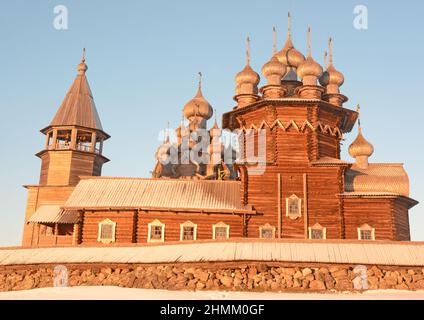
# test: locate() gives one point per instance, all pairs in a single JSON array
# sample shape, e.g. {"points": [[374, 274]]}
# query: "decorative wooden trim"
{"points": [[220, 225], [366, 227], [99, 233], [155, 223], [299, 214], [266, 226], [317, 226], [188, 224], [326, 129]]}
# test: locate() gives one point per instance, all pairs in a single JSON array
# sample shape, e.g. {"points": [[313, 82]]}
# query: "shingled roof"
{"points": [[157, 194], [78, 107], [378, 178]]}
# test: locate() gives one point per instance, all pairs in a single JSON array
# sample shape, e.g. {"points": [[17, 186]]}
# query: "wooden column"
{"points": [[279, 228], [74, 135], [54, 139], [93, 142], [305, 203]]}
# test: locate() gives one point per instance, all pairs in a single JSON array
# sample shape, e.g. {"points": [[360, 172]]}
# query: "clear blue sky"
{"points": [[143, 59]]}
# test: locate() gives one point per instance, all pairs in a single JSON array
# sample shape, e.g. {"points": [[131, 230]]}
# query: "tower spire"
{"points": [[309, 42], [288, 26], [82, 67], [325, 58], [330, 46], [358, 110], [274, 47], [248, 51]]}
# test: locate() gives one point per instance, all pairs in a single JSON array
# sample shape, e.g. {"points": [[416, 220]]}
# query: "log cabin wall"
{"points": [[376, 212], [66, 166], [401, 219], [323, 206], [38, 196], [296, 135], [173, 221], [124, 226], [132, 226]]}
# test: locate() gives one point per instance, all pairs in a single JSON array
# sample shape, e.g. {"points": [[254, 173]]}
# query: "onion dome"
{"points": [[274, 70], [82, 67], [198, 106], [290, 56], [361, 149], [247, 80], [309, 71], [331, 77]]}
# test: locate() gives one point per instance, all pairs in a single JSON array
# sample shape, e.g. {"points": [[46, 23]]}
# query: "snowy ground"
{"points": [[116, 293]]}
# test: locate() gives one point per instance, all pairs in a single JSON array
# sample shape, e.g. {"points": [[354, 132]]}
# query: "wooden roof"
{"points": [[306, 251], [54, 214], [378, 178], [97, 193], [78, 107]]}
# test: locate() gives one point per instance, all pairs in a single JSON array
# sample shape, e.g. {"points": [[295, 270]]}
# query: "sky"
{"points": [[143, 58]]}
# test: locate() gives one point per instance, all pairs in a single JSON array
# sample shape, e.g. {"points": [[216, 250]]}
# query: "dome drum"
{"points": [[309, 91], [273, 91]]}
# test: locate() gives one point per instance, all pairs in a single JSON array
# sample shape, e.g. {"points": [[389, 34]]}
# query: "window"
{"points": [[293, 207], [156, 231], [267, 231], [106, 233], [221, 231], [188, 231], [365, 232], [317, 232]]}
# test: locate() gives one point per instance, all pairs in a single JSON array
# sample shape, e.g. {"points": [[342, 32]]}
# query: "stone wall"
{"points": [[222, 276]]}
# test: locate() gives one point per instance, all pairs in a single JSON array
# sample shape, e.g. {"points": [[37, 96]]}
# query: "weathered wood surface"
{"points": [[370, 253]]}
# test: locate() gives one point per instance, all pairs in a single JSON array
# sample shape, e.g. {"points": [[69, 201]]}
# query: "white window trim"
{"points": [[318, 226], [220, 225], [366, 227], [155, 223], [266, 226], [299, 214], [99, 232], [188, 224]]}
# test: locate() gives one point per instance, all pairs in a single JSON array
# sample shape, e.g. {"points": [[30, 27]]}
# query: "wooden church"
{"points": [[300, 190]]}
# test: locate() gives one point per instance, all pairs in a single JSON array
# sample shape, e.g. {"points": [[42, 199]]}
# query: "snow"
{"points": [[117, 293]]}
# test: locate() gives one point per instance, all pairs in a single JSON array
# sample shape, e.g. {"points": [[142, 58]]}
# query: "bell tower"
{"points": [[74, 138], [73, 148]]}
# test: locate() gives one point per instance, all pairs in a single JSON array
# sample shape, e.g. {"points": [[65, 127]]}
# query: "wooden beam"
{"points": [[279, 230], [305, 203]]}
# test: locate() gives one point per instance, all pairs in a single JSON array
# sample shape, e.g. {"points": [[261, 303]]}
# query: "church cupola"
{"points": [[74, 138], [361, 149], [290, 56], [247, 82], [198, 110], [309, 71], [273, 71], [332, 80]]}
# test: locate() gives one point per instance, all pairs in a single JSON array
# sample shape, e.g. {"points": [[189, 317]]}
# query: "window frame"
{"points": [[155, 223], [299, 210], [267, 226], [317, 226], [188, 224], [99, 231], [366, 227], [220, 225]]}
